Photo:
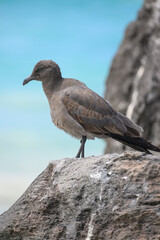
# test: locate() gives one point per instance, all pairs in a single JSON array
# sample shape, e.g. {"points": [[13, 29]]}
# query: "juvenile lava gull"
{"points": [[83, 113]]}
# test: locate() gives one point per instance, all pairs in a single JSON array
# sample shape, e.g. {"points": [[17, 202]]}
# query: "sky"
{"points": [[82, 37]]}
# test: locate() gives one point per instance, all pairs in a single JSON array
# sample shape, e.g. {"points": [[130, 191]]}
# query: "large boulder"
{"points": [[133, 84], [108, 197]]}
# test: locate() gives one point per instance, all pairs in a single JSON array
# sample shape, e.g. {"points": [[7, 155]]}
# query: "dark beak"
{"points": [[27, 80]]}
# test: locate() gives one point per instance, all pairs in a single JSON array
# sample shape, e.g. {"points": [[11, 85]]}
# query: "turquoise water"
{"points": [[82, 37]]}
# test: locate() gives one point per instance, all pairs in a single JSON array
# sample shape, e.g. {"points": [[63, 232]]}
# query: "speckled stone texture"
{"points": [[115, 196], [133, 84]]}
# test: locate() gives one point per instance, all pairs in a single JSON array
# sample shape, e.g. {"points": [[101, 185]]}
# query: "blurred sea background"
{"points": [[82, 36]]}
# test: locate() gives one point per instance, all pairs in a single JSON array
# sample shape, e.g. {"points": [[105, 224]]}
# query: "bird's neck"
{"points": [[50, 86]]}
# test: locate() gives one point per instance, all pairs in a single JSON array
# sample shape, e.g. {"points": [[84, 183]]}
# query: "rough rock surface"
{"points": [[108, 197], [133, 85]]}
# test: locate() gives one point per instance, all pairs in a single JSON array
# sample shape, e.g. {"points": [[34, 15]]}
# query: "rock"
{"points": [[115, 196], [133, 84]]}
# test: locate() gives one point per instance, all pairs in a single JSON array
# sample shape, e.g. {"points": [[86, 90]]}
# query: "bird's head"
{"points": [[44, 71]]}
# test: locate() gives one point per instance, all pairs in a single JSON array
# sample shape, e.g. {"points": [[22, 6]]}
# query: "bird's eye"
{"points": [[37, 71]]}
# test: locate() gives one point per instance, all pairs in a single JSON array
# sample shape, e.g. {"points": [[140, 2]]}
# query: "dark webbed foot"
{"points": [[81, 149]]}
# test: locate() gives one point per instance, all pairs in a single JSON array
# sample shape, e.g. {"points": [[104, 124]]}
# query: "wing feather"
{"points": [[96, 115]]}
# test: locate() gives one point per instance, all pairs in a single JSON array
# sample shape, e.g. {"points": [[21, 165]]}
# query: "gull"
{"points": [[84, 114]]}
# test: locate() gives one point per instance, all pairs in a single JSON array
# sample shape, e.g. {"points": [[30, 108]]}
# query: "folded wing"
{"points": [[96, 115]]}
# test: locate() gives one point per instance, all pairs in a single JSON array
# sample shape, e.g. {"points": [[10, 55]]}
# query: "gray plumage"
{"points": [[83, 113]]}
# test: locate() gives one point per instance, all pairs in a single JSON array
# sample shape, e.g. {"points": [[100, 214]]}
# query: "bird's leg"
{"points": [[83, 144], [81, 149], [79, 152]]}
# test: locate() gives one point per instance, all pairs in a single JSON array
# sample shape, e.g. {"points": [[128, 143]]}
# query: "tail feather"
{"points": [[137, 143]]}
